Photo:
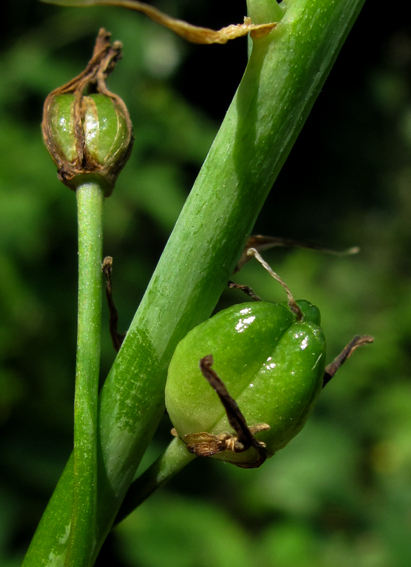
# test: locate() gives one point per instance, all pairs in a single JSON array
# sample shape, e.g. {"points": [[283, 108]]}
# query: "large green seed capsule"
{"points": [[270, 363]]}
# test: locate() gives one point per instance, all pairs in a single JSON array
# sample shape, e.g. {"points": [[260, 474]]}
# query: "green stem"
{"points": [[174, 458], [286, 72], [90, 198], [264, 11]]}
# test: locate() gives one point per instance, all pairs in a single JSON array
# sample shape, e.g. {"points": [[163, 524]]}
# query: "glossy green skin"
{"points": [[271, 364], [105, 127]]}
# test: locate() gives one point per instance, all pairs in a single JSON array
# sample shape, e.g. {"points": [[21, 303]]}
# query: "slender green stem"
{"points": [[174, 458], [90, 198]]}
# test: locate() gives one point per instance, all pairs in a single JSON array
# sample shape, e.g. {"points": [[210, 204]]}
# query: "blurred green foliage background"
{"points": [[340, 494]]}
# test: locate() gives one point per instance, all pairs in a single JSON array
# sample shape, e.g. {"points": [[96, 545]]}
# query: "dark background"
{"points": [[340, 493]]}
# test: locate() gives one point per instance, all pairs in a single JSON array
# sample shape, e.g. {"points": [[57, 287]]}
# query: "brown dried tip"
{"points": [[261, 243], [116, 337], [357, 341]]}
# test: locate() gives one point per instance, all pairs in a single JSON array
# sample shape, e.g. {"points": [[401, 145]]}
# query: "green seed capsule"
{"points": [[271, 364], [86, 128], [105, 127], [105, 137]]}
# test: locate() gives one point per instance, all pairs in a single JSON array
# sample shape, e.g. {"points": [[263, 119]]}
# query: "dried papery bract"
{"points": [[194, 34], [86, 128]]}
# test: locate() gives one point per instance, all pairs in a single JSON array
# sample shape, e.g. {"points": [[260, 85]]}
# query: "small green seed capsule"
{"points": [[271, 364], [104, 142], [86, 128]]}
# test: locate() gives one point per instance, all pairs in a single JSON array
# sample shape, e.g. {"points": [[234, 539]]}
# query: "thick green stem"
{"points": [[286, 72], [90, 198]]}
